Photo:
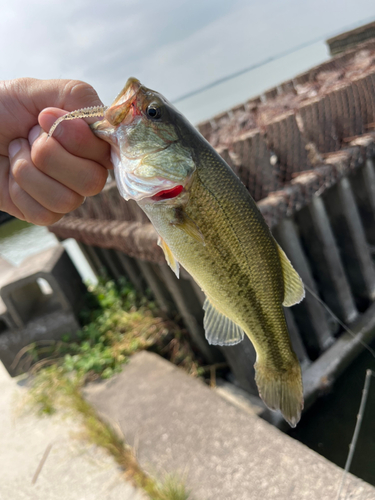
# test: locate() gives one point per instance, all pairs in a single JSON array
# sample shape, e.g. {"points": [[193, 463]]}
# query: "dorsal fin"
{"points": [[219, 329], [294, 291]]}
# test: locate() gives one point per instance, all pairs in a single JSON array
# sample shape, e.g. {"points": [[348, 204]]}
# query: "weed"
{"points": [[117, 324], [52, 389]]}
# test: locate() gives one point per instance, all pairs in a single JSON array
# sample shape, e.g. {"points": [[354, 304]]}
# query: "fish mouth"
{"points": [[121, 111], [118, 128]]}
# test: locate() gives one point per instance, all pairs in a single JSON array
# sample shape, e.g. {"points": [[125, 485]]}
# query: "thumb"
{"points": [[24, 98], [63, 94]]}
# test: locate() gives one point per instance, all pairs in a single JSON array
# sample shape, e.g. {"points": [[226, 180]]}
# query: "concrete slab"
{"points": [[61, 286], [178, 424], [5, 269], [73, 470], [49, 327]]}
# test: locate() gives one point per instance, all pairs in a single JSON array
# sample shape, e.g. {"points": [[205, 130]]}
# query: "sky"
{"points": [[172, 46]]}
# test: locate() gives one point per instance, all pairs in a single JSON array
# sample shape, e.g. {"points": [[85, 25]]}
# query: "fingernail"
{"points": [[34, 134], [14, 148]]}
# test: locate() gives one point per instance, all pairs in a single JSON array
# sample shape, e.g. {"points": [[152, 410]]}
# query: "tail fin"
{"points": [[281, 390]]}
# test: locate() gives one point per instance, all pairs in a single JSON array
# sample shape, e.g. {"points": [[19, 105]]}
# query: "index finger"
{"points": [[76, 137]]}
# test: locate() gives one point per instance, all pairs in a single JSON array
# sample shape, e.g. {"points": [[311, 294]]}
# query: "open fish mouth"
{"points": [[122, 110], [149, 163], [142, 145]]}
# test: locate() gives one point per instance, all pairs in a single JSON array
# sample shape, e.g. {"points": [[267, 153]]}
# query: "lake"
{"points": [[20, 239]]}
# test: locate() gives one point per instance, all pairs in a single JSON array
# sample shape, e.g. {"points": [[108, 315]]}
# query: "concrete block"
{"points": [[49, 327], [5, 268], [43, 283], [6, 320], [73, 470], [180, 425]]}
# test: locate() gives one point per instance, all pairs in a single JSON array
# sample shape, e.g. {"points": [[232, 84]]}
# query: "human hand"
{"points": [[42, 180]]}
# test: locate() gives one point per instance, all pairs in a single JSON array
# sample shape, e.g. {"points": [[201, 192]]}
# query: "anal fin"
{"points": [[169, 257], [219, 329]]}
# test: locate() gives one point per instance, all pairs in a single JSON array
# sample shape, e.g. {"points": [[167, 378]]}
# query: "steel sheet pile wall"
{"points": [[305, 151], [350, 39]]}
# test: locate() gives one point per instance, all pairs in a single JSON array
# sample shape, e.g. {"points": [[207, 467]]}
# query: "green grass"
{"points": [[52, 390], [118, 323]]}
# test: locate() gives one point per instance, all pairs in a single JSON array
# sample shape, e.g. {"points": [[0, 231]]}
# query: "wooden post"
{"points": [[295, 338], [363, 185], [320, 244], [132, 271], [350, 236], [241, 359], [92, 261], [157, 287], [93, 257], [112, 266], [310, 316]]}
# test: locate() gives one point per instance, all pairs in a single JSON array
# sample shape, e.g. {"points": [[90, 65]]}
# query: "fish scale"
{"points": [[244, 295]]}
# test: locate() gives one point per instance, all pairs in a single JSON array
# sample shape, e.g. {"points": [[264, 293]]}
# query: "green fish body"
{"points": [[238, 265], [208, 222]]}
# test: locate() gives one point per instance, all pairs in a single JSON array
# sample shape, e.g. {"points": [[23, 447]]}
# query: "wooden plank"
{"points": [[256, 170], [369, 176], [285, 140], [197, 289]]}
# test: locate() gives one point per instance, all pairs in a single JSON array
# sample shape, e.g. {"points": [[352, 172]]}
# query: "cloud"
{"points": [[174, 47]]}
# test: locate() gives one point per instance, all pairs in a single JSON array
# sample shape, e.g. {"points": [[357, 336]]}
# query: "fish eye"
{"points": [[153, 111]]}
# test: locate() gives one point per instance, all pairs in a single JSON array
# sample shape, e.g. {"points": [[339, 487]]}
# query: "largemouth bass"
{"points": [[208, 222]]}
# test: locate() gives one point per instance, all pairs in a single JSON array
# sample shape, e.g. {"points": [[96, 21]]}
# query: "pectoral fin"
{"points": [[169, 257], [219, 329], [186, 224], [294, 291]]}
